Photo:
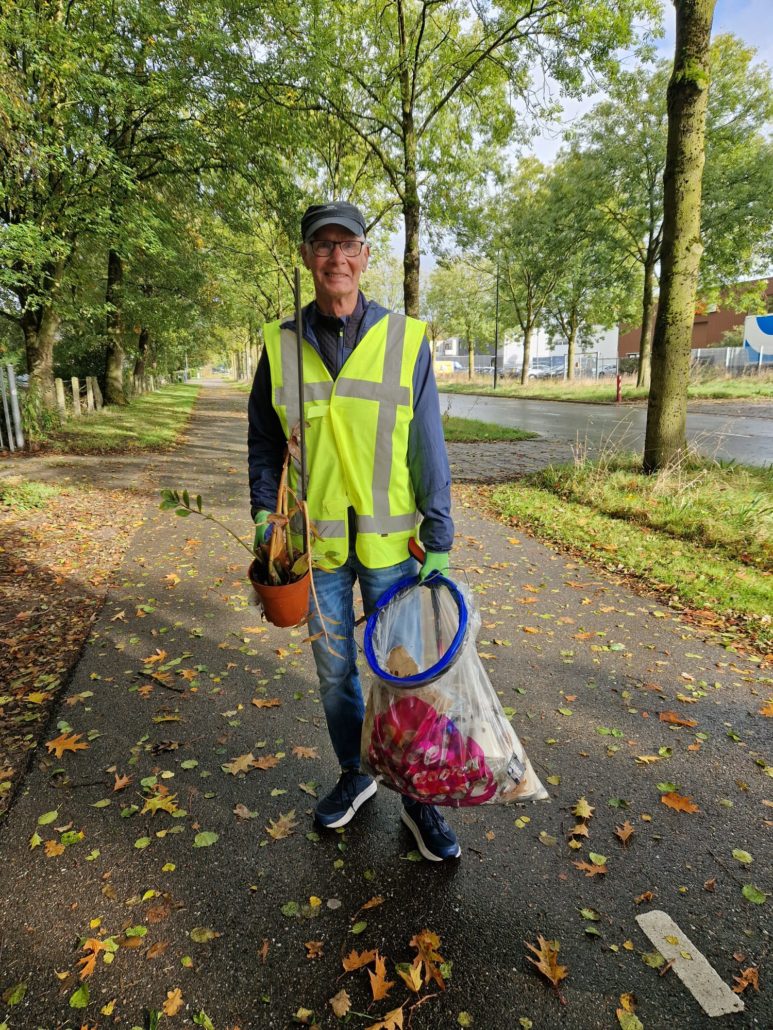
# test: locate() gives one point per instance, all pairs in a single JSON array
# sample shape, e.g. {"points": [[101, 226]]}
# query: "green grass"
{"points": [[26, 496], [700, 532], [151, 421], [471, 430], [603, 392]]}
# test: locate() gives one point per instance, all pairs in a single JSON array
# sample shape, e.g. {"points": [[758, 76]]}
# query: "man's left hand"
{"points": [[434, 562]]}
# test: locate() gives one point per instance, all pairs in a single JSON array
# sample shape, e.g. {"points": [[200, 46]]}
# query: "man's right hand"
{"points": [[263, 528]]}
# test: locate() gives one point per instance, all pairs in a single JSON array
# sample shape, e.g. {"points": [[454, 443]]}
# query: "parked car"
{"points": [[552, 372]]}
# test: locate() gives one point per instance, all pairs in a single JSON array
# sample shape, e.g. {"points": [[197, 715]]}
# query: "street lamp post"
{"points": [[496, 327]]}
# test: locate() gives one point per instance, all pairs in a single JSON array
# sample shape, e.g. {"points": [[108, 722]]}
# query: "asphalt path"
{"points": [[742, 433], [587, 667]]}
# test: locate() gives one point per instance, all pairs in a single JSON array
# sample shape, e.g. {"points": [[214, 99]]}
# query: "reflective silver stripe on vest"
{"points": [[287, 394], [389, 393], [385, 523], [330, 528]]}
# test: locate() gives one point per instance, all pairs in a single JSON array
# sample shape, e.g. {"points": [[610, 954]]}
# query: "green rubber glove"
{"points": [[434, 562], [263, 528]]}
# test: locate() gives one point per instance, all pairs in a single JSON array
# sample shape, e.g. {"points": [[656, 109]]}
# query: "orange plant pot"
{"points": [[286, 605]]}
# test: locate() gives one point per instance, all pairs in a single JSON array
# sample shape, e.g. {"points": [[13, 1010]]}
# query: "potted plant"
{"points": [[280, 570]]}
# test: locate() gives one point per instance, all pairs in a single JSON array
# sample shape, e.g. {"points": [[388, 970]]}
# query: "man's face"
{"points": [[336, 276]]}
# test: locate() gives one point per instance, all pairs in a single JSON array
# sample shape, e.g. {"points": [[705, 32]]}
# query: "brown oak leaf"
{"points": [[340, 1003], [676, 720], [590, 869], [678, 803], [173, 1003], [313, 949], [266, 762], [547, 959], [305, 752], [64, 743], [266, 702], [240, 764], [624, 832], [749, 978], [283, 826]]}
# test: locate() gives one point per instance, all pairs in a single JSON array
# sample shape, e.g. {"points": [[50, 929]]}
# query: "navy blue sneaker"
{"points": [[434, 837], [340, 806]]}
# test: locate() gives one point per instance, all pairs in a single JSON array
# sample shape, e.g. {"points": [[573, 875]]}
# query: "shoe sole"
{"points": [[351, 811], [420, 841]]}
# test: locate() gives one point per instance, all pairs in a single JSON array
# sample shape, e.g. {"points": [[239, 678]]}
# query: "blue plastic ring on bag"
{"points": [[450, 656]]}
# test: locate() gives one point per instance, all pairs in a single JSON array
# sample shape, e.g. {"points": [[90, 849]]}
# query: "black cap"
{"points": [[336, 213]]}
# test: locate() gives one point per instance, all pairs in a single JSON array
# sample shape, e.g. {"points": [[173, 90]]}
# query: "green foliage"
{"points": [[26, 495], [472, 430], [686, 550], [460, 301], [150, 421]]}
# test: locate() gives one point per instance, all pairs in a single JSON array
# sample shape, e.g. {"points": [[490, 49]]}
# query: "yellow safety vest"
{"points": [[356, 438]]}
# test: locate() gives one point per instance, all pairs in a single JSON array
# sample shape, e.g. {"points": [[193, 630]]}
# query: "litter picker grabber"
{"points": [[302, 427]]}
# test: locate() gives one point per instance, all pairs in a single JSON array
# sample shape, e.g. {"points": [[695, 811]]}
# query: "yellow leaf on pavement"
{"points": [[392, 1021], [173, 1003], [340, 1003]]}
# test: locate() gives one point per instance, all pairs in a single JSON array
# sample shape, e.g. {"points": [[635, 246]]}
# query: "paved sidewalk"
{"points": [[588, 668]]}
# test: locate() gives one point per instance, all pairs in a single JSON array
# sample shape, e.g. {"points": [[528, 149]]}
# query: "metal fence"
{"points": [[11, 433]]}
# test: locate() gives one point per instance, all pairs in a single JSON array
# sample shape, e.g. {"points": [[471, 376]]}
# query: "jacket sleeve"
{"points": [[428, 459], [265, 441]]}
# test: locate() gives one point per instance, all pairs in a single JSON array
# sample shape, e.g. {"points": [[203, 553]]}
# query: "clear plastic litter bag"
{"points": [[434, 728]]}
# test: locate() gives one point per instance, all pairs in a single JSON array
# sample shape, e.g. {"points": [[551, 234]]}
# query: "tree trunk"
{"points": [[687, 99], [647, 318], [410, 199], [571, 345], [114, 360], [526, 351], [40, 326], [140, 361]]}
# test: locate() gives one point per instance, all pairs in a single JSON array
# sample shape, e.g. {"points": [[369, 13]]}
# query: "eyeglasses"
{"points": [[324, 248]]}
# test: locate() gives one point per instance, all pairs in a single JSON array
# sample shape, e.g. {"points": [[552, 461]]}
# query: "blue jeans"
{"points": [[336, 659]]}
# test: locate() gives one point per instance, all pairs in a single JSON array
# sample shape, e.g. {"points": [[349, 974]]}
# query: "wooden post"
{"points": [[76, 397], [89, 394], [97, 393], [60, 402]]}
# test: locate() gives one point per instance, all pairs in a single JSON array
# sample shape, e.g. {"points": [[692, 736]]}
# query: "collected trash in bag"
{"points": [[434, 728]]}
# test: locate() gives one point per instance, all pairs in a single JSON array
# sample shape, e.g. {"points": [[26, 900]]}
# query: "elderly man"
{"points": [[376, 460]]}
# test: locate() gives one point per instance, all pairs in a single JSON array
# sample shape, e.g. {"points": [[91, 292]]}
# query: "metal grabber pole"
{"points": [[302, 437]]}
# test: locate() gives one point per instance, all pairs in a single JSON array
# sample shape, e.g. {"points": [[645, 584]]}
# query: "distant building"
{"points": [[707, 329]]}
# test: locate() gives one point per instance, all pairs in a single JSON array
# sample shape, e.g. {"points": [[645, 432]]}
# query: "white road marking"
{"points": [[692, 968]]}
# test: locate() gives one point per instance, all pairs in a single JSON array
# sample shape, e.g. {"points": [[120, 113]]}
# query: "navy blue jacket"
{"points": [[427, 457]]}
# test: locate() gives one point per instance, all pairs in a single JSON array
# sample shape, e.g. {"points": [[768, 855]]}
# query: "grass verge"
{"points": [[757, 388], [472, 430], [20, 496], [152, 421], [700, 533]]}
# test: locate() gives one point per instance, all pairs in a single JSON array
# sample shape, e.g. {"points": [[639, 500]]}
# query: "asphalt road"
{"points": [[743, 433], [587, 666]]}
